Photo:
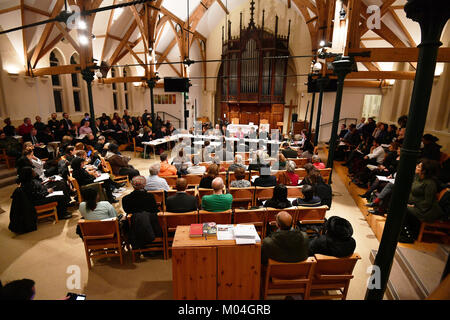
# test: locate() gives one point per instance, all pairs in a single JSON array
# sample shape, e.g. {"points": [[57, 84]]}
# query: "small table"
{"points": [[210, 269]]}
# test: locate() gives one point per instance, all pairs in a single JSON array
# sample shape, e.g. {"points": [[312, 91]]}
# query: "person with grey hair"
{"points": [[218, 201], [315, 160], [238, 163], [289, 177], [100, 146], [153, 181]]}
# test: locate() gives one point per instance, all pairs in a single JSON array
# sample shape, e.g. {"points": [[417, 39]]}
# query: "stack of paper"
{"points": [[55, 193], [246, 234], [103, 176]]}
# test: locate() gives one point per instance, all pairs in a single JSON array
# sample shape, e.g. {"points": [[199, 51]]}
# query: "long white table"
{"points": [[232, 128]]}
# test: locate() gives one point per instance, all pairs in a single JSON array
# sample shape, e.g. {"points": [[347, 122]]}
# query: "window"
{"points": [[76, 85], [371, 106], [114, 90], [56, 84]]}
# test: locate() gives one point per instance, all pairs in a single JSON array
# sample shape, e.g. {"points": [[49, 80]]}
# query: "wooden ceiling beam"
{"points": [[24, 39], [381, 75], [397, 54], [2, 11], [399, 22], [36, 10], [108, 29], [353, 29], [228, 12], [68, 37], [363, 84], [66, 69]]}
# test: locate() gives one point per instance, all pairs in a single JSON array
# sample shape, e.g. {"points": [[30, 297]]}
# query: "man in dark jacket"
{"points": [[265, 179], [336, 241], [288, 152], [285, 244], [181, 201]]}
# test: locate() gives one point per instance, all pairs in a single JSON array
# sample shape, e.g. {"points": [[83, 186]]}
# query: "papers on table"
{"points": [[53, 178], [242, 233], [103, 177], [254, 178], [382, 178], [55, 193]]}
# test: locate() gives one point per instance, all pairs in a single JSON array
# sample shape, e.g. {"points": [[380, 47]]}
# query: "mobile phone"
{"points": [[75, 296], [89, 153]]}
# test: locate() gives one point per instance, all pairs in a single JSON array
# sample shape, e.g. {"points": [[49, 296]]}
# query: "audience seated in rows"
{"points": [[265, 178], [93, 209], [240, 182], [211, 174], [166, 168], [289, 177], [154, 182], [309, 199], [279, 199], [119, 163]]}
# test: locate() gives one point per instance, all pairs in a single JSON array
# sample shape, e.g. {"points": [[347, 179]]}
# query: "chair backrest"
{"points": [[325, 173], [222, 217], [294, 192], [264, 193], [205, 164], [243, 197], [334, 269], [193, 179], [98, 231], [172, 192], [256, 216], [171, 180], [300, 172], [226, 164], [311, 215], [172, 220], [204, 192], [244, 155], [271, 214], [299, 162], [75, 184], [160, 198], [292, 277]]}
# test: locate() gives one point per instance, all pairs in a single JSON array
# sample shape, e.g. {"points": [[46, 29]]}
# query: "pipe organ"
{"points": [[252, 77]]}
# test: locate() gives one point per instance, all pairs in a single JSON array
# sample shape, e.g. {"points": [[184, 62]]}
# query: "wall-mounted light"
{"points": [[342, 14]]}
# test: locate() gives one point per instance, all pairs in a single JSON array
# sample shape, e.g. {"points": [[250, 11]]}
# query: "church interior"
{"points": [[231, 112]]}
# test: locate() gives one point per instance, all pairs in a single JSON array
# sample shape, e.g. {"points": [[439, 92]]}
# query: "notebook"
{"points": [[196, 230]]}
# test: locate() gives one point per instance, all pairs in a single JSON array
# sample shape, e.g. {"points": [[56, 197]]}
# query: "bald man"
{"points": [[286, 244], [181, 201], [217, 201]]}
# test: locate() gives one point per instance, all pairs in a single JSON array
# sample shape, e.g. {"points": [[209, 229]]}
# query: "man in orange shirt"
{"points": [[166, 168]]}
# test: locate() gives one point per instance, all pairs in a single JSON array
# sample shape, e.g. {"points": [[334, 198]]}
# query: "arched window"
{"points": [[114, 90], [76, 85], [125, 87], [56, 84]]}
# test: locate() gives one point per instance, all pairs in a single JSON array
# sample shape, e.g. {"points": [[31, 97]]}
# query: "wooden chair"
{"points": [[170, 222], [226, 164], [203, 192], [193, 179], [158, 244], [243, 197], [171, 180], [118, 179], [283, 278], [160, 198], [332, 273], [47, 210], [172, 192], [136, 149], [301, 173], [263, 193], [299, 162], [222, 217], [294, 192], [101, 239], [9, 161], [438, 228], [325, 173], [256, 216], [308, 216], [75, 184]]}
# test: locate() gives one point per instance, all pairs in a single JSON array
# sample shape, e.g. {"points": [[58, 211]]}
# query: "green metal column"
{"points": [[432, 16], [341, 67], [88, 76], [151, 84], [321, 82]]}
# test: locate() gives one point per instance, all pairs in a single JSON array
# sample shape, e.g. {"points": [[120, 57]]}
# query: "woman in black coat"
{"points": [[84, 178], [336, 241], [37, 193]]}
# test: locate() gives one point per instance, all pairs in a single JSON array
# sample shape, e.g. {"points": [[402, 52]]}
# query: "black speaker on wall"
{"points": [[176, 84], [186, 113], [294, 117]]}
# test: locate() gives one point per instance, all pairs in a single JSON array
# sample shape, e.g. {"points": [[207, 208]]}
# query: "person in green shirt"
{"points": [[217, 201]]}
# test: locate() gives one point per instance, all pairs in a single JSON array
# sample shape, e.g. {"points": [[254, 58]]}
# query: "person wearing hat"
{"points": [[431, 150], [139, 200], [336, 241]]}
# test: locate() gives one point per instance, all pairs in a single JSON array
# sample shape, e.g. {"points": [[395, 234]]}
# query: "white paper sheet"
{"points": [[55, 193], [225, 232], [382, 178], [103, 177]]}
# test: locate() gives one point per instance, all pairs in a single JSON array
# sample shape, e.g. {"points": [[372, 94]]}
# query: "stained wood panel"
{"points": [[238, 272], [194, 273]]}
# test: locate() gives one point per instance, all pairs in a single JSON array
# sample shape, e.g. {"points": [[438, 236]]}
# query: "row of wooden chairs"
{"points": [[313, 278], [102, 238], [194, 179], [242, 197]]}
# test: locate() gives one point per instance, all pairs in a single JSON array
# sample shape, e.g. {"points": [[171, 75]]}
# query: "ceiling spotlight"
{"points": [[83, 40], [82, 25], [342, 14]]}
